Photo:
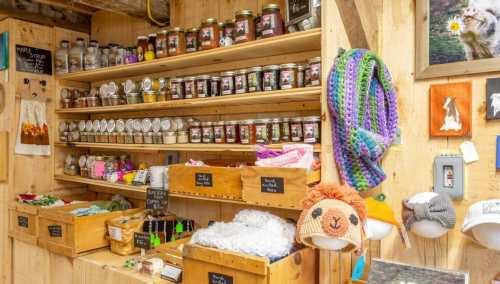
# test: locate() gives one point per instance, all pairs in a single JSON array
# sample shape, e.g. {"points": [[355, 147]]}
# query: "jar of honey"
{"points": [[176, 41], [192, 40], [209, 34], [142, 47], [247, 132], [161, 44], [271, 21], [244, 27]]}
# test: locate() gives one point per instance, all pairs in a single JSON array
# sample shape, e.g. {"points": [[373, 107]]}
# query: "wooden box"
{"points": [[63, 233], [171, 252], [204, 265], [277, 187], [210, 182]]}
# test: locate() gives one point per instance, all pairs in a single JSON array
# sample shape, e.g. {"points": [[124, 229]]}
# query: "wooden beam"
{"points": [[70, 5], [160, 9], [351, 19]]}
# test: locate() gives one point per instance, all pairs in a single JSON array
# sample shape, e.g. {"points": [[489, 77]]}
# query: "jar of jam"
{"points": [[300, 76], [271, 21], [315, 69], [176, 41], [169, 137], [215, 89], [276, 130], [263, 131], [189, 87], [227, 83], [240, 81], [134, 98], [232, 131], [195, 132], [142, 47], [307, 75], [209, 34], [285, 130], [247, 131], [150, 53], [311, 128], [219, 132], [149, 96], [177, 88], [161, 44], [192, 40], [244, 27], [254, 78], [270, 77], [207, 132], [229, 31], [221, 34], [296, 130], [203, 86], [288, 76]]}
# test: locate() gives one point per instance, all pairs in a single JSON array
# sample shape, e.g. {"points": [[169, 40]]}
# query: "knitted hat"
{"points": [[378, 209], [439, 209], [332, 211], [362, 104]]}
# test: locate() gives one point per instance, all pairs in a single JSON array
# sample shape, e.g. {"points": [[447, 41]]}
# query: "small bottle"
{"points": [[62, 58], [76, 56]]}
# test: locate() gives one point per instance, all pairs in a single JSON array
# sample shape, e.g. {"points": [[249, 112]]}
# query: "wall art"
{"points": [[456, 37], [493, 98], [450, 110], [4, 50]]}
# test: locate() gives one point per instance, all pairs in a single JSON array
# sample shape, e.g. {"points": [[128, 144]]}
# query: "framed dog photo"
{"points": [[298, 10], [493, 98], [457, 37]]}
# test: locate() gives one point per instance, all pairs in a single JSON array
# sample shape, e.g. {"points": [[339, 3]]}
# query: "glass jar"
{"points": [[215, 90], [138, 138], [91, 137], [148, 137], [177, 88], [296, 130], [92, 56], [315, 69], [129, 138], [115, 100], [240, 81], [62, 58], [81, 102], [203, 86], [288, 76], [97, 171], [142, 47], [227, 83], [176, 41], [263, 131], [195, 132], [113, 138], [247, 132], [276, 130], [120, 138], [105, 56], [76, 56], [182, 137], [307, 75], [164, 89], [131, 55], [192, 40], [161, 44], [67, 103], [271, 21], [232, 131], [169, 137], [149, 96], [207, 130], [150, 53], [219, 132], [270, 77], [254, 77], [113, 52], [134, 98], [209, 34], [189, 87], [285, 130], [311, 127], [244, 27], [229, 30], [300, 76]]}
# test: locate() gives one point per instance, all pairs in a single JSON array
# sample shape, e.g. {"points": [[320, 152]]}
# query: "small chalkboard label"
{"points": [[272, 185], [22, 221], [298, 10], [141, 240], [33, 60], [55, 231], [203, 179], [156, 198], [217, 278]]}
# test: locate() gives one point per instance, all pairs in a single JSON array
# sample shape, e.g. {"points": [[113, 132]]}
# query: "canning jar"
{"points": [[254, 77], [161, 44], [189, 87], [244, 27], [138, 138], [232, 131], [195, 132], [227, 83], [81, 102], [311, 129], [150, 53], [258, 26], [97, 172], [240, 81], [219, 132], [149, 96], [192, 40], [63, 129], [270, 77], [207, 130], [92, 57], [83, 134], [263, 131], [315, 69], [215, 90], [157, 138], [120, 56], [247, 131], [276, 130], [115, 100], [182, 137], [271, 21], [134, 98], [209, 34], [203, 86], [296, 130], [131, 55], [307, 75], [142, 47], [176, 41], [62, 58], [76, 56], [95, 129], [177, 88], [285, 130], [148, 137], [164, 89], [105, 56], [288, 76], [300, 76], [169, 137], [229, 32]]}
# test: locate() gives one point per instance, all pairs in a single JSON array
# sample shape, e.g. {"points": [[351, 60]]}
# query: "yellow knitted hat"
{"points": [[378, 209]]}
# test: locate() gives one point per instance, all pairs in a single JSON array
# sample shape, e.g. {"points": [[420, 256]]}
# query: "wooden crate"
{"points": [[276, 187], [171, 252], [208, 265], [211, 182], [63, 233]]}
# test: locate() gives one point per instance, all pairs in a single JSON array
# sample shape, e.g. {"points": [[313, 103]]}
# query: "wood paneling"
{"points": [[4, 155]]}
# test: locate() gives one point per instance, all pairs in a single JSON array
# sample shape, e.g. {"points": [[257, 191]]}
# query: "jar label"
{"points": [[287, 79], [208, 134], [311, 132], [173, 43], [202, 88], [261, 134], [191, 43], [253, 82], [227, 85], [268, 24], [241, 33], [270, 81], [245, 134], [206, 36], [195, 135], [189, 85], [315, 74], [296, 132], [219, 134], [240, 82], [231, 134]]}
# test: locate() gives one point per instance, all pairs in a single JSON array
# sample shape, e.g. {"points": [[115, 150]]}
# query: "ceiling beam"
{"points": [[137, 8], [70, 5], [351, 19]]}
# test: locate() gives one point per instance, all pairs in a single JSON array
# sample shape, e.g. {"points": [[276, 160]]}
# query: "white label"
{"points": [[171, 272], [469, 151], [241, 30], [491, 207], [207, 35], [115, 233]]}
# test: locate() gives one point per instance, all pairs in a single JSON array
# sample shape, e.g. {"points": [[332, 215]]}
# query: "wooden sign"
{"points": [[33, 60], [156, 198], [203, 179], [55, 231], [450, 110], [272, 184], [22, 221], [217, 278], [141, 240]]}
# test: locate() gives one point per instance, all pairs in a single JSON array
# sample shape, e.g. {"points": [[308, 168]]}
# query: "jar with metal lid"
{"points": [[227, 83], [219, 132], [169, 137], [81, 102], [91, 57], [232, 131], [176, 41], [209, 34], [120, 56], [149, 96], [276, 130], [215, 89], [263, 131], [67, 103], [134, 98], [150, 53], [258, 26], [296, 130], [189, 87], [192, 40], [229, 30], [195, 132], [115, 100], [270, 77], [244, 27], [254, 78], [148, 137], [207, 132], [240, 81], [142, 47], [307, 75], [105, 56], [247, 131], [177, 88], [285, 130], [315, 66], [272, 21], [311, 128], [89, 130], [300, 76], [120, 128], [161, 44], [113, 51], [288, 76], [203, 86]]}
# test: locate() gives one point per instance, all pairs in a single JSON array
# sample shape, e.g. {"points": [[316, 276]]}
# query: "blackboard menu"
{"points": [[22, 221], [55, 231], [298, 10], [217, 278], [272, 185], [203, 179], [33, 60], [156, 198], [141, 240]]}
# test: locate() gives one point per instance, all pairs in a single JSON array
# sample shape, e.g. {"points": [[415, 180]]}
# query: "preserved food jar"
{"points": [[207, 132], [263, 131], [229, 32], [148, 137], [161, 44], [227, 83], [189, 87], [182, 137], [62, 58], [92, 56], [254, 77], [307, 75], [209, 34], [176, 41], [285, 130], [113, 52], [105, 56], [192, 40], [169, 137], [247, 131], [271, 21], [115, 100], [142, 47], [134, 98], [195, 132], [232, 131], [164, 89], [76, 56], [81, 102], [177, 88], [296, 130], [149, 96], [270, 77], [219, 132], [240, 81], [150, 53], [149, 84], [131, 56], [315, 71], [288, 76], [138, 138], [215, 89], [244, 30], [276, 130], [203, 86], [311, 128]]}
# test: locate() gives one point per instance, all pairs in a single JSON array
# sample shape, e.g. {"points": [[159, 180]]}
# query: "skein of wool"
{"points": [[363, 109]]}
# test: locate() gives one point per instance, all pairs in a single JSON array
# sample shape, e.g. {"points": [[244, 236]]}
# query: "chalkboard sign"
{"points": [[203, 179], [217, 278], [298, 10], [33, 60], [22, 221], [141, 240], [156, 198], [272, 185], [55, 231]]}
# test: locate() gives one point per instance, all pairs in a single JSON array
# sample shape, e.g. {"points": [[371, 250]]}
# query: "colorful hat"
{"points": [[378, 209], [332, 211]]}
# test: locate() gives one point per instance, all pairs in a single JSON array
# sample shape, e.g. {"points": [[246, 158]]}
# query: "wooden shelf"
{"points": [[174, 147], [279, 45], [271, 97], [88, 181]]}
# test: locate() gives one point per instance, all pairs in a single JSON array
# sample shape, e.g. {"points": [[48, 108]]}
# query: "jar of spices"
{"points": [[195, 132], [176, 41], [311, 127], [272, 21], [276, 130], [149, 96], [182, 137], [232, 131], [209, 34], [263, 131], [192, 40], [150, 53], [244, 27], [288, 76], [169, 137], [177, 88], [300, 76], [219, 132], [142, 47], [148, 137], [270, 77], [189, 87], [315, 66], [240, 81], [157, 138], [203, 86], [227, 83], [247, 131], [161, 44], [254, 77], [207, 132], [215, 90], [285, 130], [296, 130]]}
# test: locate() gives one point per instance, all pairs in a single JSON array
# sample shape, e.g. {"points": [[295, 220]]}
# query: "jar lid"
{"points": [[120, 125], [248, 121], [81, 125], [139, 37], [288, 65], [219, 123], [96, 125], [255, 69], [210, 21], [277, 120], [104, 125], [146, 125], [297, 119], [129, 125], [156, 124], [230, 21], [271, 67], [176, 29], [111, 125], [99, 158], [165, 124], [133, 94], [150, 93], [314, 60], [206, 123], [114, 96], [215, 78], [244, 13], [177, 80], [195, 124], [221, 25], [193, 30], [189, 78], [163, 32], [151, 34], [312, 119], [242, 71], [263, 120], [64, 41], [203, 77], [271, 6], [232, 122], [227, 73]]}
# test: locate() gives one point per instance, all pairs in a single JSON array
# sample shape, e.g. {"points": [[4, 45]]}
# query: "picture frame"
{"points": [[492, 98], [447, 42], [297, 11], [4, 50]]}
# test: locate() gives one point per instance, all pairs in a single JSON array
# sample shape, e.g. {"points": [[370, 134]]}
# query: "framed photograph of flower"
{"points": [[457, 37]]}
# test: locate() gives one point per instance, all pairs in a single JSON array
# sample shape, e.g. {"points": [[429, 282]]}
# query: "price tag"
{"points": [[203, 179], [22, 221], [156, 198], [217, 278], [142, 240], [115, 233], [171, 273], [272, 185], [55, 231]]}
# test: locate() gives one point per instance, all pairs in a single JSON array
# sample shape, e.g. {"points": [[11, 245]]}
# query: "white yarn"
{"points": [[251, 232]]}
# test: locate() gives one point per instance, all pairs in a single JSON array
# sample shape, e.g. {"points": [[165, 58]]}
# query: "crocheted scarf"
{"points": [[362, 104]]}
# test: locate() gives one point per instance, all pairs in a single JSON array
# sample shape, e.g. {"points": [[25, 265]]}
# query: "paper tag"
{"points": [[115, 233], [171, 273], [469, 152], [403, 234]]}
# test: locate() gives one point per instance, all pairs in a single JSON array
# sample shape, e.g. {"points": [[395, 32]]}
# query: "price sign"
{"points": [[156, 198], [33, 60], [217, 278], [142, 240], [272, 185], [22, 221], [55, 231], [203, 179]]}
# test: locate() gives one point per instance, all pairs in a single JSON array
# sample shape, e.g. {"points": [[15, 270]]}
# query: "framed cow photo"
{"points": [[493, 98], [457, 37]]}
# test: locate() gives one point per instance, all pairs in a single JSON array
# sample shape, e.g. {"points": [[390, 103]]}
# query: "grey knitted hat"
{"points": [[439, 209]]}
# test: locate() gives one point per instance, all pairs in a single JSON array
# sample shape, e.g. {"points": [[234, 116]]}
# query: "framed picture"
{"points": [[450, 110], [4, 50], [493, 98], [297, 10], [457, 37]]}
